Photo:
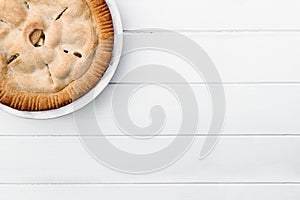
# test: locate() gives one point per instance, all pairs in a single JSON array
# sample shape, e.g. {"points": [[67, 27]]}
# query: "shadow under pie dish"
{"points": [[52, 52]]}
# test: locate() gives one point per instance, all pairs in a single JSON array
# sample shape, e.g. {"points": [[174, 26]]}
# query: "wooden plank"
{"points": [[149, 192], [60, 160], [210, 15], [250, 110], [256, 57]]}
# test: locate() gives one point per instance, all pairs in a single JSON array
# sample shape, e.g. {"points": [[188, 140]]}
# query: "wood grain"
{"points": [[149, 192], [250, 110], [210, 15], [58, 160], [258, 57]]}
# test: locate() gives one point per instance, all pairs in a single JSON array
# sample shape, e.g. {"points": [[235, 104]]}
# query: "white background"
{"points": [[255, 46]]}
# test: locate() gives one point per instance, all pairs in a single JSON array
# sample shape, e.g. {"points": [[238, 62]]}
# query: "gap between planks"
{"points": [[152, 184], [153, 30]]}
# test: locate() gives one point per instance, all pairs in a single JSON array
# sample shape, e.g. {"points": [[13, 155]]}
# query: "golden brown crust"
{"points": [[29, 101]]}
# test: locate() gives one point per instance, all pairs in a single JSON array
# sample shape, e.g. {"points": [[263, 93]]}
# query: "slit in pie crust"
{"points": [[52, 52]]}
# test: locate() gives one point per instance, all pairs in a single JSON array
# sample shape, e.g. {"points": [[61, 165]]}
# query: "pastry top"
{"points": [[52, 51]]}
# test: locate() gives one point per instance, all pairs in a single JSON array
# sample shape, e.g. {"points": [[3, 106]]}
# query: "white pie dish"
{"points": [[90, 96]]}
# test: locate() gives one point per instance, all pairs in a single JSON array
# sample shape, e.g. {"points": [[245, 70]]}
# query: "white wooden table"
{"points": [[255, 46]]}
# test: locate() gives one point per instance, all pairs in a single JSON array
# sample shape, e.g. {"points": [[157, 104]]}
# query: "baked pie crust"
{"points": [[52, 52]]}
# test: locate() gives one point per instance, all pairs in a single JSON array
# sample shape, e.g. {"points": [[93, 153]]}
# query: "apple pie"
{"points": [[52, 52]]}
